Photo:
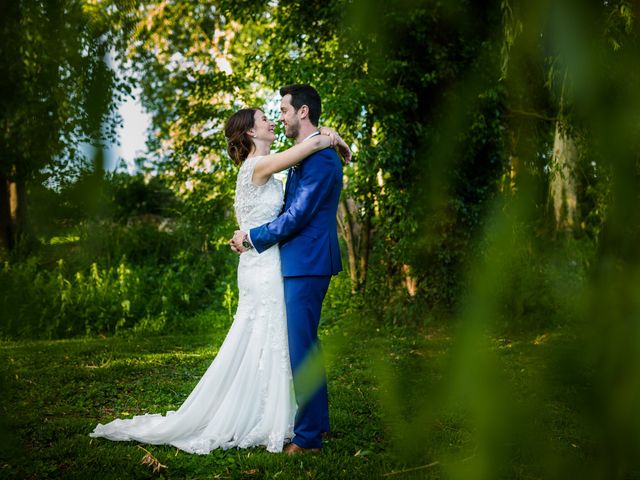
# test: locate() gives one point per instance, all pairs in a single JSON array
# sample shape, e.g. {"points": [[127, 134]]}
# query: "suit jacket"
{"points": [[306, 228]]}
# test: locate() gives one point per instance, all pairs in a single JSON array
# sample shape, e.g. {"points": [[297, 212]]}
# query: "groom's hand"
{"points": [[236, 241]]}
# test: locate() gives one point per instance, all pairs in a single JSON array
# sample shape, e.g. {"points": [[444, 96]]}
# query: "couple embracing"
{"points": [[267, 387]]}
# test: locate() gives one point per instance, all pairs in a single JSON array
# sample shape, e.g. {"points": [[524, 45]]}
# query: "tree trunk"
{"points": [[364, 252], [562, 183], [13, 211], [355, 230], [410, 282], [7, 224], [345, 222], [356, 235]]}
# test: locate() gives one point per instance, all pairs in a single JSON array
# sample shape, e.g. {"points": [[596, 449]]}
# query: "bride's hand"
{"points": [[343, 149], [331, 133], [236, 242], [337, 142]]}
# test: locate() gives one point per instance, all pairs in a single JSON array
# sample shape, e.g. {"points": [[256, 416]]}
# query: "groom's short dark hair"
{"points": [[302, 94]]}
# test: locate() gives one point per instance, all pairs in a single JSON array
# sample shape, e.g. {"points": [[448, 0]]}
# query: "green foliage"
{"points": [[56, 88], [139, 265], [537, 282], [340, 302], [64, 302]]}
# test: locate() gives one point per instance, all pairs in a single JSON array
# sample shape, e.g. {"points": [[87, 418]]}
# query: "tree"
{"points": [[546, 71], [54, 94], [200, 61]]}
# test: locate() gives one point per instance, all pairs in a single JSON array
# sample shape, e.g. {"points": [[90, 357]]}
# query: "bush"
{"points": [[142, 259], [65, 302], [539, 286]]}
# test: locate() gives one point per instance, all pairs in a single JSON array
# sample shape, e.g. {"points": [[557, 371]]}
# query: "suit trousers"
{"points": [[303, 299]]}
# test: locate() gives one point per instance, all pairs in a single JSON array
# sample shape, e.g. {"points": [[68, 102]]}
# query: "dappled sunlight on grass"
{"points": [[152, 359]]}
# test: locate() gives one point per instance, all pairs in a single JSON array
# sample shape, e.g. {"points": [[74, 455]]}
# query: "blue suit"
{"points": [[307, 234]]}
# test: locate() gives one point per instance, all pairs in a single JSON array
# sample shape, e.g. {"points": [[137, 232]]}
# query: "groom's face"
{"points": [[289, 117]]}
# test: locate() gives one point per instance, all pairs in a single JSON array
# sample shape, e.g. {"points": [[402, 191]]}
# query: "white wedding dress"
{"points": [[245, 397]]}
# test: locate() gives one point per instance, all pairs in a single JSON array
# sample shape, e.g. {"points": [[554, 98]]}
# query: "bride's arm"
{"points": [[276, 162]]}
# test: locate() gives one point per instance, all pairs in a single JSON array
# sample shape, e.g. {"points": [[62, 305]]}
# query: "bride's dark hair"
{"points": [[239, 143]]}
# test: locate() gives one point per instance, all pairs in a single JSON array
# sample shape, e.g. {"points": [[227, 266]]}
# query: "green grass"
{"points": [[380, 382]]}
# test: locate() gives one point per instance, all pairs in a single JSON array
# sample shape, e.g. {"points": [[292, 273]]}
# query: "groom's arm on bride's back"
{"points": [[319, 177]]}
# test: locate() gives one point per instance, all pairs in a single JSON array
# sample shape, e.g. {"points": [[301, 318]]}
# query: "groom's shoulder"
{"points": [[324, 156]]}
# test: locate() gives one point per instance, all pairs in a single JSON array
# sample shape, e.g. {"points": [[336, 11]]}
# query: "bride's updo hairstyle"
{"points": [[239, 143]]}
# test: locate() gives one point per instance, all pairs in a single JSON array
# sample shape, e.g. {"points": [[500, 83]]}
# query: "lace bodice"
{"points": [[256, 204]]}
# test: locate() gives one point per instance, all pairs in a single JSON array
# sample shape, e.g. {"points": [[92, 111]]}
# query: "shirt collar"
{"points": [[317, 132]]}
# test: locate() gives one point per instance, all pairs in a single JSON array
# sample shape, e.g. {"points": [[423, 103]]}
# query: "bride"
{"points": [[245, 398]]}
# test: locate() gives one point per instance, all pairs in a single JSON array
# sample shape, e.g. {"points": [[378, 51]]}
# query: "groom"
{"points": [[309, 252]]}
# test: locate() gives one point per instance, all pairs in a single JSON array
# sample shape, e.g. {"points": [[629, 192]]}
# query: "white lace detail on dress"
{"points": [[245, 398], [256, 204]]}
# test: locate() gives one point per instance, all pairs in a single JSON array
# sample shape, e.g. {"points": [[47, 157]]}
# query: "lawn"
{"points": [[380, 381]]}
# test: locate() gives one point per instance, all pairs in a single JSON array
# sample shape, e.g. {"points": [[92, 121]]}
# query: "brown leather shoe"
{"points": [[293, 449]]}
